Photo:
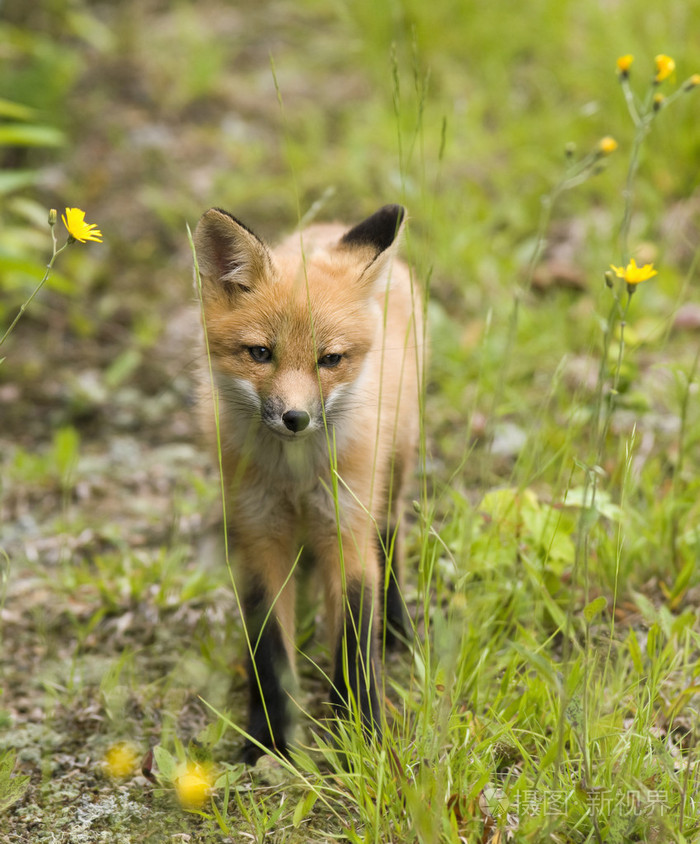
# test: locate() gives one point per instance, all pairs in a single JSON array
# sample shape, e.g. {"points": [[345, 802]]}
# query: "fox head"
{"points": [[291, 332]]}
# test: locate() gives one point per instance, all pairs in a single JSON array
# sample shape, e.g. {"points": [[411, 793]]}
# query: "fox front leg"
{"points": [[269, 675], [355, 672], [268, 594]]}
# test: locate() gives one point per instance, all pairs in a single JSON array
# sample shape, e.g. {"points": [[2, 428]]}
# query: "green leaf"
{"points": [[680, 585], [303, 807], [595, 608], [580, 497], [11, 788], [66, 443], [540, 663], [16, 111], [122, 367], [211, 735], [635, 652], [574, 712], [653, 641], [11, 180], [166, 762], [230, 777], [21, 135]]}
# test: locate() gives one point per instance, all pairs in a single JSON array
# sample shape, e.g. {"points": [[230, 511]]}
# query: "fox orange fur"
{"points": [[315, 355]]}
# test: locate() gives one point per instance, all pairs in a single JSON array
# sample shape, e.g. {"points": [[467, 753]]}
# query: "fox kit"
{"points": [[315, 355]]}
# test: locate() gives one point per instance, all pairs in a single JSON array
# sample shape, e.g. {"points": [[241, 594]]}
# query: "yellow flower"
{"points": [[194, 785], [624, 63], [121, 760], [607, 145], [692, 82], [78, 229], [664, 67], [633, 274]]}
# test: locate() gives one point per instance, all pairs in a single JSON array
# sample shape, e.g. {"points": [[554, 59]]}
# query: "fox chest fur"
{"points": [[311, 400]]}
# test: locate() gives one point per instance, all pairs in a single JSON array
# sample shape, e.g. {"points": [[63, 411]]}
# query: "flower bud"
{"points": [[607, 145], [53, 217], [665, 66], [693, 82], [623, 65], [659, 101], [609, 279]]}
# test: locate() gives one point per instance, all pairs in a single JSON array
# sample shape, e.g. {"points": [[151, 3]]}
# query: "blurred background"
{"points": [[144, 114]]}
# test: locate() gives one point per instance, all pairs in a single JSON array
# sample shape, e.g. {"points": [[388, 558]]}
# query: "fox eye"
{"points": [[329, 361], [260, 354]]}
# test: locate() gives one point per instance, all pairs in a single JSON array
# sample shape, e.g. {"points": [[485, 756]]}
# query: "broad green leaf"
{"points": [[11, 788], [23, 135], [167, 764], [16, 111], [11, 180], [580, 497], [595, 607]]}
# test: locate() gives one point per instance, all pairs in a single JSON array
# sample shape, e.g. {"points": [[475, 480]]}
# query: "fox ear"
{"points": [[229, 256], [374, 237], [377, 232]]}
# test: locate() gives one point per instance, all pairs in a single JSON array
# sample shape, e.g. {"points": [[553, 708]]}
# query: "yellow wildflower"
{"points": [[607, 145], [692, 82], [194, 785], [664, 67], [633, 274], [78, 229], [624, 63], [121, 760]]}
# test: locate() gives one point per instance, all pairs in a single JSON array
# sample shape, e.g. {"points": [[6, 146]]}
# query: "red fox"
{"points": [[315, 352]]}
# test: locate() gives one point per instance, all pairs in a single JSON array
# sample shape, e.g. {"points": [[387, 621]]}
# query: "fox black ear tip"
{"points": [[396, 210], [378, 231]]}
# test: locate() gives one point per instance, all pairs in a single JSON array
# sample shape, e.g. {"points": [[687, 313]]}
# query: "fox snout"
{"points": [[285, 418], [296, 420]]}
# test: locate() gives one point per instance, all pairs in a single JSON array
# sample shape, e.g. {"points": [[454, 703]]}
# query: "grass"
{"points": [[551, 693]]}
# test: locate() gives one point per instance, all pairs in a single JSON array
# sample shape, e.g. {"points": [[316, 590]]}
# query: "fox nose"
{"points": [[296, 420]]}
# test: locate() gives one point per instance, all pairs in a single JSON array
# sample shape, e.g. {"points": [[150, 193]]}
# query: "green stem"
{"points": [[616, 377], [600, 383], [43, 281], [678, 470], [642, 125]]}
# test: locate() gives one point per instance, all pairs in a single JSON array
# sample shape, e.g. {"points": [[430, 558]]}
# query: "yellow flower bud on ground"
{"points": [[121, 760], [193, 786]]}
